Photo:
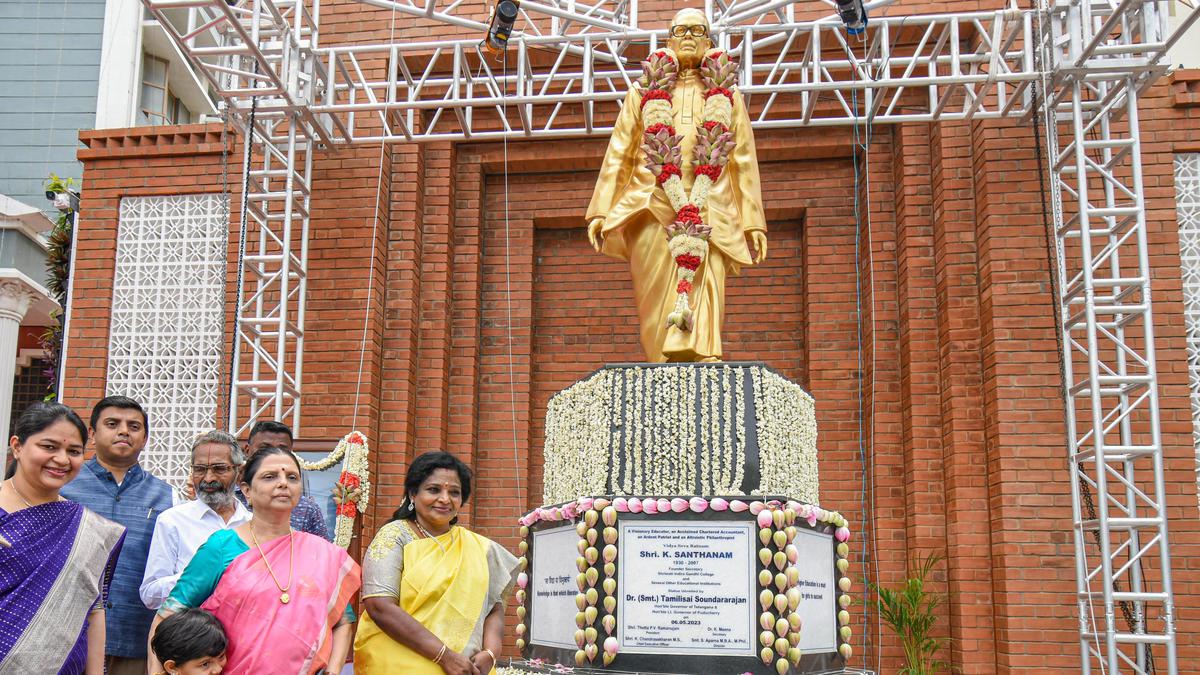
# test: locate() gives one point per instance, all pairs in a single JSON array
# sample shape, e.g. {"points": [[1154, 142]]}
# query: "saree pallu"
{"points": [[59, 566], [268, 636], [450, 592]]}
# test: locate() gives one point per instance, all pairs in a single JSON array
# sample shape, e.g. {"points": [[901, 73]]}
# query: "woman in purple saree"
{"points": [[56, 557]]}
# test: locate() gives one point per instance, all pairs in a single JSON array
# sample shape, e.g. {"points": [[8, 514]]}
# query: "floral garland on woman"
{"points": [[687, 235], [352, 491]]}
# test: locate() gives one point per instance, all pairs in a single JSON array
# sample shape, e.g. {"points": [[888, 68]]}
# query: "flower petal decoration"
{"points": [[353, 488]]}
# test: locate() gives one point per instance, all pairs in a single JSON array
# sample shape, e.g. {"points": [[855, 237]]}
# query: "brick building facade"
{"points": [[473, 322]]}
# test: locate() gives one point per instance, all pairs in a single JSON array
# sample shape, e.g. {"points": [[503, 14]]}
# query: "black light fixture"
{"points": [[500, 26], [854, 16]]}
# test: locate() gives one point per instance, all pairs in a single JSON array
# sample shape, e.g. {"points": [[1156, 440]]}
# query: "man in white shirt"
{"points": [[216, 462]]}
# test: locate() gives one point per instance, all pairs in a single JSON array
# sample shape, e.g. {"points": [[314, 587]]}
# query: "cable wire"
{"points": [[512, 385], [226, 376], [862, 197], [241, 268], [1041, 57], [1039, 100]]}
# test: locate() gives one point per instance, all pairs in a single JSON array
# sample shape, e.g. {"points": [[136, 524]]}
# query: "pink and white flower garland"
{"points": [[687, 235]]}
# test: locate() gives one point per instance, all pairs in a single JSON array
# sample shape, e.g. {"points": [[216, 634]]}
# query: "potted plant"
{"points": [[58, 269], [911, 612]]}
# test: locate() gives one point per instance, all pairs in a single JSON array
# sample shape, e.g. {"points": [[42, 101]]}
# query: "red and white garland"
{"points": [[687, 235], [352, 491]]}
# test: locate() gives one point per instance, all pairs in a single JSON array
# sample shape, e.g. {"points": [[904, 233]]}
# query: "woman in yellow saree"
{"points": [[434, 591]]}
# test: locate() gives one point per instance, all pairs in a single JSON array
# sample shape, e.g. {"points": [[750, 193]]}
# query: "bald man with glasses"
{"points": [[629, 211]]}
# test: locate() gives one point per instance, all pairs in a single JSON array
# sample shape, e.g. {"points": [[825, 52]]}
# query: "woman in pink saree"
{"points": [[283, 596]]}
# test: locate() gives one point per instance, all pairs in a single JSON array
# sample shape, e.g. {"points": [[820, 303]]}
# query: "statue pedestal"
{"points": [[683, 535]]}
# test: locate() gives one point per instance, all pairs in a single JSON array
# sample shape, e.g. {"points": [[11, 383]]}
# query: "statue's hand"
{"points": [[594, 234], [758, 239]]}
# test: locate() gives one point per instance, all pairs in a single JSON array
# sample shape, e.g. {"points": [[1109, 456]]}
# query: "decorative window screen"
{"points": [[168, 320], [1187, 204]]}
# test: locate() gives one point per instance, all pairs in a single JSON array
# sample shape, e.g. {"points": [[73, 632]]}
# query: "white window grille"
{"points": [[168, 319], [1187, 205]]}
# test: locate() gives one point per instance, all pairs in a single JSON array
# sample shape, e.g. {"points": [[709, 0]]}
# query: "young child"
{"points": [[191, 642]]}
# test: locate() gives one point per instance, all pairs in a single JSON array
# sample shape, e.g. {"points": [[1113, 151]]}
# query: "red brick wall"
{"points": [[953, 445]]}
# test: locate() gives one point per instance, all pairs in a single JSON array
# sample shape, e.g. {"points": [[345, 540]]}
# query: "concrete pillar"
{"points": [[15, 298]]}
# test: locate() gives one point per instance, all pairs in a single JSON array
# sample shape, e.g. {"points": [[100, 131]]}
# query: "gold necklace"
{"points": [[429, 535], [283, 590], [17, 490]]}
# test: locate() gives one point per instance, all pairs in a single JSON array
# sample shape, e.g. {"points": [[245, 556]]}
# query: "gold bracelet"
{"points": [[440, 654], [495, 661]]}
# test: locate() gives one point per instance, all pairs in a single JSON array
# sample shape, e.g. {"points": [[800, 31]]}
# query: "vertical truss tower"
{"points": [[1101, 56], [1077, 65], [259, 57]]}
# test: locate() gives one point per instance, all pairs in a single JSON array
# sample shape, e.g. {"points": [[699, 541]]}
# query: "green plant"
{"points": [[58, 268], [911, 611], [54, 183]]}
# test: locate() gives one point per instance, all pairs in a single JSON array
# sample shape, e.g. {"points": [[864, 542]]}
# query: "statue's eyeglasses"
{"points": [[697, 30]]}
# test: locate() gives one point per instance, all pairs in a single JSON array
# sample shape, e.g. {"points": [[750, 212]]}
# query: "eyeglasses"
{"points": [[698, 30], [217, 469]]}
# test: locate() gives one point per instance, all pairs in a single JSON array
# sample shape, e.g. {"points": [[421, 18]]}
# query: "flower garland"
{"points": [[786, 424], [353, 488], [687, 235], [679, 430], [578, 424]]}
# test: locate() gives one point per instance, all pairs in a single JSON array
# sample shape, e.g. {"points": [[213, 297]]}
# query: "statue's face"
{"points": [[689, 36]]}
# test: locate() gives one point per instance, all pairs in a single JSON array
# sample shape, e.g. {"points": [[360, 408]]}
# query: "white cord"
{"points": [[512, 385], [362, 347]]}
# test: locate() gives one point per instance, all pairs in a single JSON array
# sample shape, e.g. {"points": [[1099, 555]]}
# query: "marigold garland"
{"points": [[353, 488], [688, 235]]}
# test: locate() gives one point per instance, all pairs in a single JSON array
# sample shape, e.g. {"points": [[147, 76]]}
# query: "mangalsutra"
{"points": [[283, 590], [429, 535]]}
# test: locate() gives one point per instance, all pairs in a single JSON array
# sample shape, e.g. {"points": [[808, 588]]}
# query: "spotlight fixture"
{"points": [[64, 201], [500, 24], [854, 15]]}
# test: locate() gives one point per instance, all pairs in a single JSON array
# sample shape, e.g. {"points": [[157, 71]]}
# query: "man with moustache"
{"points": [[216, 462], [630, 213], [114, 485]]}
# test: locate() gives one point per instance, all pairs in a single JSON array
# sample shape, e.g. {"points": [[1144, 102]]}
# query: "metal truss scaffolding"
{"points": [[1078, 64], [1100, 56], [258, 57]]}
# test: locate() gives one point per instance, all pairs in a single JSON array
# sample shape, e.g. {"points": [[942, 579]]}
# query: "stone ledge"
{"points": [[1185, 87], [160, 141]]}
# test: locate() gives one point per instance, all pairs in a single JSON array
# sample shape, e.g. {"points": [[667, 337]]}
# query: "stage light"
{"points": [[500, 26], [854, 15]]}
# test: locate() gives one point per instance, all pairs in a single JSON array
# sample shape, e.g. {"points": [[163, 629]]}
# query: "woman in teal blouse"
{"points": [[200, 578], [282, 596]]}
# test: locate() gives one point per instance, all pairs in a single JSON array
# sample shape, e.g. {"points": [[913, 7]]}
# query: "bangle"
{"points": [[493, 655], [440, 654]]}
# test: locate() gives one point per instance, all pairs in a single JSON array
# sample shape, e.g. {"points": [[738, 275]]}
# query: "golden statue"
{"points": [[680, 248]]}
